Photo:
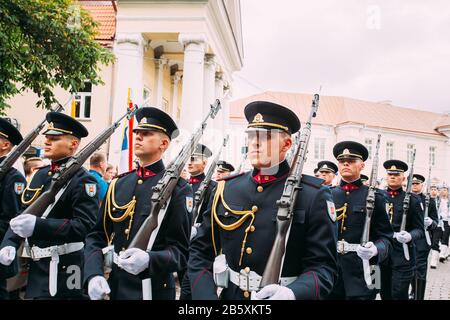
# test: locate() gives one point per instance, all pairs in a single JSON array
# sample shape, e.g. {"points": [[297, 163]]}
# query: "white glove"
{"points": [[98, 288], [427, 221], [133, 260], [273, 292], [7, 255], [403, 236], [368, 251], [23, 225]]}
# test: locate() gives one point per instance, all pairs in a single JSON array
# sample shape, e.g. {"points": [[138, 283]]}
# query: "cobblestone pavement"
{"points": [[438, 282]]}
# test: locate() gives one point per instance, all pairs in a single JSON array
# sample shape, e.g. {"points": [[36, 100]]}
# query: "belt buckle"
{"points": [[342, 247], [244, 281], [32, 254]]}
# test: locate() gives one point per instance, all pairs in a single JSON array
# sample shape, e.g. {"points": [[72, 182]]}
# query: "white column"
{"points": [[175, 80], [129, 52], [159, 82], [221, 116], [209, 74], [192, 97]]}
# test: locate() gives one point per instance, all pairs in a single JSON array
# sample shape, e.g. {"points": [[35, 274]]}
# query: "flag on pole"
{"points": [[73, 107], [126, 153]]}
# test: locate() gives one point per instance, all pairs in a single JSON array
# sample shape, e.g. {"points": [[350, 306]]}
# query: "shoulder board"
{"points": [[124, 174], [312, 181], [232, 176]]}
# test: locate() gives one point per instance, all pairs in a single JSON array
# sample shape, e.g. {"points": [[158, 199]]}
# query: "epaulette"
{"points": [[232, 176], [312, 181], [124, 174]]}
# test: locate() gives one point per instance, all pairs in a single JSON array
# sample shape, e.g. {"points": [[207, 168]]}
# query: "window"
{"points": [[319, 148], [368, 142], [409, 152], [432, 156], [389, 150], [83, 102]]}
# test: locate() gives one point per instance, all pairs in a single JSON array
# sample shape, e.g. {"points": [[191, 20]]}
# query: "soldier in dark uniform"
{"points": [[126, 206], [11, 187], [196, 168], [422, 247], [327, 171], [397, 273], [224, 169], [350, 200], [239, 227], [55, 242], [436, 233]]}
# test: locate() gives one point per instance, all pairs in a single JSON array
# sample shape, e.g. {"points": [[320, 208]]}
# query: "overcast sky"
{"points": [[396, 50]]}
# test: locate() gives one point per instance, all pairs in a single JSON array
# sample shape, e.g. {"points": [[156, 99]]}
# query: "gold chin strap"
{"points": [[343, 215], [245, 215], [129, 211], [391, 211], [36, 191]]}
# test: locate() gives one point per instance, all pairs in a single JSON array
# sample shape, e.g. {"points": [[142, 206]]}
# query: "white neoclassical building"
{"points": [[176, 55], [339, 118]]}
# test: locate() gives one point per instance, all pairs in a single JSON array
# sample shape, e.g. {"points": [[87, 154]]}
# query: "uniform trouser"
{"points": [[422, 264], [395, 282], [436, 236], [446, 233], [185, 285], [4, 295]]}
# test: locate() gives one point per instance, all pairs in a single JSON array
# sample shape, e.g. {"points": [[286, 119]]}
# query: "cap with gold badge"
{"points": [[153, 119], [350, 150], [60, 124], [9, 132], [265, 115], [395, 166], [223, 166]]}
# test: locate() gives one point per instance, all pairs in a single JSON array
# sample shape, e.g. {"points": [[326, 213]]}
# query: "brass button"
{"points": [[140, 181], [254, 208], [123, 249], [49, 173], [248, 250], [114, 209], [246, 294], [247, 270], [165, 285], [260, 189], [347, 193], [392, 196], [344, 228], [127, 231], [226, 213], [252, 228]]}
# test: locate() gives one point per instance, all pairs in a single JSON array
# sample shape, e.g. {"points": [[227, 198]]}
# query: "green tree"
{"points": [[44, 44]]}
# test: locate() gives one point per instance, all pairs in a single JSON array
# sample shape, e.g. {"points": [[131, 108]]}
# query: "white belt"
{"points": [[251, 281], [53, 252], [343, 247], [37, 253]]}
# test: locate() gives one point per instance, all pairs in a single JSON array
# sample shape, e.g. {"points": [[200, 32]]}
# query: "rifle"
{"points": [[201, 191], [163, 189], [290, 155], [406, 201], [23, 146], [274, 266], [427, 205], [244, 151], [370, 206], [64, 174], [146, 235]]}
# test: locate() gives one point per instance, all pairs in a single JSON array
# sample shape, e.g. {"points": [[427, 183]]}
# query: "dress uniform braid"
{"points": [[245, 215], [129, 209], [37, 192]]}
